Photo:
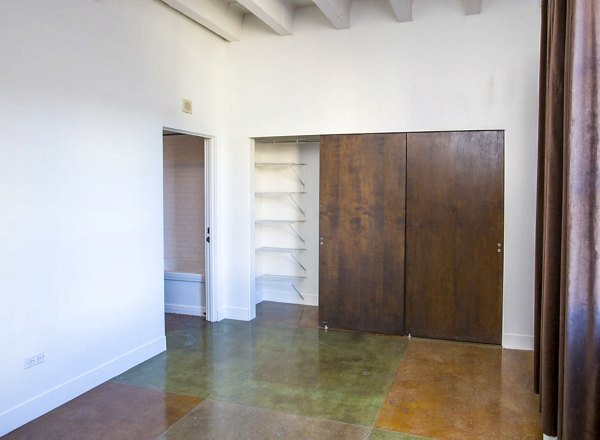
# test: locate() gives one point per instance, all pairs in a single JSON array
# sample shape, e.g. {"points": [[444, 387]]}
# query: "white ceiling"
{"points": [[226, 17]]}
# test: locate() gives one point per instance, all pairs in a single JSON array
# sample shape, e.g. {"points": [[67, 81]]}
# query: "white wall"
{"points": [[443, 71], [85, 90]]}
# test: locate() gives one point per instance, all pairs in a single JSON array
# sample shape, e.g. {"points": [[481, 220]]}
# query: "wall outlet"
{"points": [[35, 360]]}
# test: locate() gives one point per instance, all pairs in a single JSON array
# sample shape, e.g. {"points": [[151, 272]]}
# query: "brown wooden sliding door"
{"points": [[454, 235], [362, 223]]}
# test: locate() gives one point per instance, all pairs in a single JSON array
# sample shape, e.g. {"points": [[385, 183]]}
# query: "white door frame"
{"points": [[209, 220]]}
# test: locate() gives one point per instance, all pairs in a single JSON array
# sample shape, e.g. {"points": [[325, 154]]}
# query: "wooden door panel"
{"points": [[362, 221], [455, 189]]}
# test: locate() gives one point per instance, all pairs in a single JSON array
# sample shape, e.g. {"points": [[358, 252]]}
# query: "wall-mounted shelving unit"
{"points": [[285, 237], [272, 221], [282, 250]]}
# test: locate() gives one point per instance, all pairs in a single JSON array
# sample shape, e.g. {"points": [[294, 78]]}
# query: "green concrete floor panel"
{"points": [[341, 376]]}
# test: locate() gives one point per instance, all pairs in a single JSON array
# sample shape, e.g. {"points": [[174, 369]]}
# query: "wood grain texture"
{"points": [[455, 187], [362, 222]]}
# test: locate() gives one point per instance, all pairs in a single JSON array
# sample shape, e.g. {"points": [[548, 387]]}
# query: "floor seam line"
{"points": [[391, 384], [288, 413]]}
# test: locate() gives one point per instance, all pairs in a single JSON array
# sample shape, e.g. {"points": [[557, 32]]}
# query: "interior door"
{"points": [[362, 227], [454, 255]]}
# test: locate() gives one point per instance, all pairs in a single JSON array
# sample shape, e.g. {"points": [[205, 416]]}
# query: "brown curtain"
{"points": [[567, 279]]}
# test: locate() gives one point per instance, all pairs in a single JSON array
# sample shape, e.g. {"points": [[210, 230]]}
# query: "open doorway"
{"points": [[186, 205]]}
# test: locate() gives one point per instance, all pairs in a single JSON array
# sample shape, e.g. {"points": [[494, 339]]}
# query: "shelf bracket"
{"points": [[299, 178], [297, 235], [297, 291], [298, 262], [297, 205]]}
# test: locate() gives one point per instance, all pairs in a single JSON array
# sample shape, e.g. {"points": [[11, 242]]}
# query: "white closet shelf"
{"points": [[280, 278], [279, 164], [282, 250], [278, 222], [278, 193]]}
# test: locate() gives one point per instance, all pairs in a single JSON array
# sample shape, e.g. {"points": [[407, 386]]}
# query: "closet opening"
{"points": [[186, 223], [396, 233], [286, 232]]}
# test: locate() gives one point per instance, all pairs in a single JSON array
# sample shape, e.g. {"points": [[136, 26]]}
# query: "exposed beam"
{"points": [[472, 7], [336, 11], [274, 13], [212, 14], [402, 9]]}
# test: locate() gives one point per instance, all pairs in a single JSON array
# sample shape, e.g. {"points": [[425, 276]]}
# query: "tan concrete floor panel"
{"points": [[451, 390]]}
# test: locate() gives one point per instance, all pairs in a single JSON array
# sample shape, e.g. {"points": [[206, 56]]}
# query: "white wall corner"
{"points": [[25, 412], [517, 342]]}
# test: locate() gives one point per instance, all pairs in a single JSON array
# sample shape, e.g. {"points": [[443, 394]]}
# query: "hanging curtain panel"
{"points": [[567, 326]]}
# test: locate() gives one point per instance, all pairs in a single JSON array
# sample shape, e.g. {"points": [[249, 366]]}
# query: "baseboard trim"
{"points": [[310, 299], [25, 412], [183, 309], [237, 313], [517, 342]]}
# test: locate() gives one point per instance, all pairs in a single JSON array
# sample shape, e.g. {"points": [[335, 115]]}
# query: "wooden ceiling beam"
{"points": [[402, 9], [276, 14], [336, 11], [213, 15], [472, 7]]}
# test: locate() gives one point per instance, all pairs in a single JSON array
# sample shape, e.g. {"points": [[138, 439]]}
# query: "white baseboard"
{"points": [[183, 309], [237, 313], [310, 299], [25, 412], [547, 437], [517, 342]]}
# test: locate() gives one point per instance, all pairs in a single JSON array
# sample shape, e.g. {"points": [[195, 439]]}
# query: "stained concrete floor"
{"points": [[280, 377]]}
